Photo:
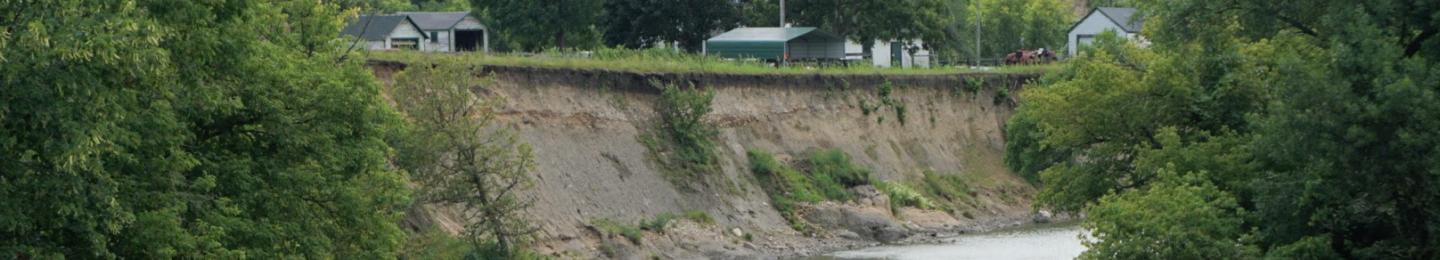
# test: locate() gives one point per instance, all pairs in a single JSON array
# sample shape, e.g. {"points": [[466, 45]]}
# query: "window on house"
{"points": [[434, 36], [405, 44]]}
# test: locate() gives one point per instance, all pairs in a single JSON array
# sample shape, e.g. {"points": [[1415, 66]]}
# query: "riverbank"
{"points": [[599, 191], [1037, 241]]}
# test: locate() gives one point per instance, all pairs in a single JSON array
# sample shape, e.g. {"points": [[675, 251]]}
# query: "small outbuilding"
{"points": [[777, 44], [888, 54], [1123, 21], [387, 32], [451, 31]]}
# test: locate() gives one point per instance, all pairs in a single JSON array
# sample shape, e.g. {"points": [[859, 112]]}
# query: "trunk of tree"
{"points": [[560, 40]]}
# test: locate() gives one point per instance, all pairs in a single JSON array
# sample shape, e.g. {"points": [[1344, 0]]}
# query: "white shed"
{"points": [[452, 31], [387, 32], [887, 54], [1121, 20]]}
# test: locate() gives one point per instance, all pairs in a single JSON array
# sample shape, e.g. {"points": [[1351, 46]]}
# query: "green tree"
{"points": [[866, 21], [760, 13], [647, 23], [1180, 217], [1319, 118], [443, 5], [185, 129], [377, 6], [1009, 25], [459, 155], [538, 25]]}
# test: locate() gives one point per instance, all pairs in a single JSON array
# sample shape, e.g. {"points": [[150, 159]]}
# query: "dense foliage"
{"points": [[190, 129], [651, 23], [537, 25], [1249, 128], [830, 176], [1010, 25], [684, 142], [459, 155]]}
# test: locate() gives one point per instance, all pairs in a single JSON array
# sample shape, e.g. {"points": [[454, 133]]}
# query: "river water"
{"points": [[1051, 241]]}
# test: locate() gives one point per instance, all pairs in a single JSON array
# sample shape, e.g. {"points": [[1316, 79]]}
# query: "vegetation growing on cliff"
{"points": [[887, 100], [683, 142], [1249, 129], [830, 177], [459, 155]]}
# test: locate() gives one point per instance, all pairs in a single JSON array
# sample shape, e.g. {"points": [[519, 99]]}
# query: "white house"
{"points": [[387, 32], [452, 31], [1121, 20], [887, 54]]}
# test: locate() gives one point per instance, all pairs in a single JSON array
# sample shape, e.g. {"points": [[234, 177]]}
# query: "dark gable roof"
{"points": [[1124, 17], [771, 34], [434, 21], [377, 27]]}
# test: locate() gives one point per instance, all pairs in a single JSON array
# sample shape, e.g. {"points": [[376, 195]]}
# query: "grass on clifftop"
{"points": [[668, 61]]}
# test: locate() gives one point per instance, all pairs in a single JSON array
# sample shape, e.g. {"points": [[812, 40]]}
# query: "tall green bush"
{"points": [[684, 142]]}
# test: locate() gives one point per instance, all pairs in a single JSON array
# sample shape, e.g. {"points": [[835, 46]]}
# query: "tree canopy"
{"points": [[1318, 118], [647, 23], [538, 25], [190, 129]]}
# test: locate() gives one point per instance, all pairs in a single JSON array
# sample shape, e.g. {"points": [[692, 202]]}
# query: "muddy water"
{"points": [[1054, 241]]}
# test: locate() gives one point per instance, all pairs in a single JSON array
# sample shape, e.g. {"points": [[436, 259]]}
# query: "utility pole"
{"points": [[978, 14], [782, 13]]}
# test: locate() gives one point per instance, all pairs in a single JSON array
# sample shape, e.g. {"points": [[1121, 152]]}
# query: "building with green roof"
{"points": [[777, 44]]}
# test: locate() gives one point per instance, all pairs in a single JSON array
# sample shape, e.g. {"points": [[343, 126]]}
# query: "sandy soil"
{"points": [[584, 127]]}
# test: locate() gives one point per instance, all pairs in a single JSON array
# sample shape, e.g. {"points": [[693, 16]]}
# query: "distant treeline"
{"points": [[945, 27]]}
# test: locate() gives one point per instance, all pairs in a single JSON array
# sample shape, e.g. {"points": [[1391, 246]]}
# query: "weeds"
{"points": [[903, 196], [887, 99], [610, 227], [699, 216], [831, 175], [684, 143]]}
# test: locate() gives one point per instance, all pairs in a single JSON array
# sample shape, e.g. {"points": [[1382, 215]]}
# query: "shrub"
{"points": [[903, 196], [779, 179], [685, 140], [657, 224], [974, 84], [434, 243], [609, 227], [836, 165], [699, 216], [1002, 95], [948, 187]]}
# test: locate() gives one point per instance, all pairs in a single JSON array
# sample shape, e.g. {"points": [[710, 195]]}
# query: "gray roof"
{"points": [[770, 34], [1125, 17], [432, 21], [376, 27]]}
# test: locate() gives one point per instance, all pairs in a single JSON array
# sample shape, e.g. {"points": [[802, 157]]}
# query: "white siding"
{"points": [[376, 45], [469, 23], [1094, 24], [881, 56], [406, 31], [441, 43]]}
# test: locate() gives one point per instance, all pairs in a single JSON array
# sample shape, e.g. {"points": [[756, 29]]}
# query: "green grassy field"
{"points": [[666, 61]]}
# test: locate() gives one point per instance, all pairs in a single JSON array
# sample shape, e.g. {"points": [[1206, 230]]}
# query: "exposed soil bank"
{"points": [[584, 125]]}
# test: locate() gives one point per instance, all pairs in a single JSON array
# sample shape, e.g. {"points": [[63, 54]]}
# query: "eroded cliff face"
{"points": [[585, 127]]}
